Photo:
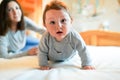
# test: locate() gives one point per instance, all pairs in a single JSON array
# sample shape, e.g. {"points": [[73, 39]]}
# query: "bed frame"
{"points": [[101, 38]]}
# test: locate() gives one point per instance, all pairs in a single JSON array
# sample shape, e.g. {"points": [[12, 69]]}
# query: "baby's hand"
{"points": [[45, 68], [88, 68]]}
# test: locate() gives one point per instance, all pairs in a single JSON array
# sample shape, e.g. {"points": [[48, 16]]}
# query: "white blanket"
{"points": [[105, 59]]}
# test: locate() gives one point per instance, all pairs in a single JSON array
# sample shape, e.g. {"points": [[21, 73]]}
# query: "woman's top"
{"points": [[12, 43]]}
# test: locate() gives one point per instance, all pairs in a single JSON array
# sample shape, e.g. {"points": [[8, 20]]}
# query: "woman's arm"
{"points": [[29, 24], [4, 53]]}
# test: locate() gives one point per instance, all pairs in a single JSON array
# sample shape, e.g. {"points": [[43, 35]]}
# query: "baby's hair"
{"points": [[56, 5]]}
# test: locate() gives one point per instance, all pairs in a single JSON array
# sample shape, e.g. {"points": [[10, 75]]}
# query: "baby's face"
{"points": [[58, 23]]}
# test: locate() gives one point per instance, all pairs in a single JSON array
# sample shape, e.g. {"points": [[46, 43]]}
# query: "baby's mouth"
{"points": [[59, 32]]}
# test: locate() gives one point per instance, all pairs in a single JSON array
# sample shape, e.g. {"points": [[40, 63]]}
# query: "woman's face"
{"points": [[14, 12], [58, 23]]}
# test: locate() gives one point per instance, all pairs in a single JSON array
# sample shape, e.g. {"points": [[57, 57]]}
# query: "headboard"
{"points": [[101, 38]]}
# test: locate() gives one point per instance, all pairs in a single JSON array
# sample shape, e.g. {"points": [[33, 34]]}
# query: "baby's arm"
{"points": [[85, 58], [83, 53], [43, 53]]}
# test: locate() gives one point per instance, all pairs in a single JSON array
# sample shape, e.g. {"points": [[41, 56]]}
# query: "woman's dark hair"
{"points": [[57, 5], [4, 20]]}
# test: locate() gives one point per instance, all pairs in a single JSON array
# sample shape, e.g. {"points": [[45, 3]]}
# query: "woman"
{"points": [[12, 30]]}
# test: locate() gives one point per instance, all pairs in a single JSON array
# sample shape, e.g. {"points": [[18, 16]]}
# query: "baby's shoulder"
{"points": [[74, 34], [45, 36]]}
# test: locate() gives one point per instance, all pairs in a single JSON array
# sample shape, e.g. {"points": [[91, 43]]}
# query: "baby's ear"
{"points": [[44, 25]]}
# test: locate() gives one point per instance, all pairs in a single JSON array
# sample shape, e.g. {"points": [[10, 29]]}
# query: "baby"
{"points": [[60, 41]]}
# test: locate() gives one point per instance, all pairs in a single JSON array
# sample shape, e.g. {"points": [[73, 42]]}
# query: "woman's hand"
{"points": [[33, 51]]}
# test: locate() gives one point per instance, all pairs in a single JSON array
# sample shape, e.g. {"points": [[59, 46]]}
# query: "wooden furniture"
{"points": [[101, 38]]}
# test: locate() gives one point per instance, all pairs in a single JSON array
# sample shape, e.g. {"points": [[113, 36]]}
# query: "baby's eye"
{"points": [[52, 22], [63, 20]]}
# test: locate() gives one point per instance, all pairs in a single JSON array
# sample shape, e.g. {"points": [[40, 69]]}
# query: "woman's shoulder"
{"points": [[2, 37], [3, 40]]}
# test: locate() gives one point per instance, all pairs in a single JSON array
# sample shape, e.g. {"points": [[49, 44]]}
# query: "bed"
{"points": [[104, 48]]}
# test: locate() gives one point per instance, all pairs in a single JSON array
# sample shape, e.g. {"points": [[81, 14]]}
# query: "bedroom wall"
{"points": [[107, 15]]}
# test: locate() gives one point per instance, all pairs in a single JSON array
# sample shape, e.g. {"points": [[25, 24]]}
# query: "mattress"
{"points": [[106, 60]]}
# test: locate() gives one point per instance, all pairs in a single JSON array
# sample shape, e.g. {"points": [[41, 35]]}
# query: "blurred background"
{"points": [[87, 14]]}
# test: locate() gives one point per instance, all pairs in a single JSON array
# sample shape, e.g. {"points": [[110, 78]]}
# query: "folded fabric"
{"points": [[30, 43]]}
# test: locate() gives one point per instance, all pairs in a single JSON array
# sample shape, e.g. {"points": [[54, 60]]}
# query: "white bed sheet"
{"points": [[105, 59]]}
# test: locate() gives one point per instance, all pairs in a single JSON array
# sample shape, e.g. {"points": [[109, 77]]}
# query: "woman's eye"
{"points": [[17, 7], [9, 10], [52, 22], [63, 20]]}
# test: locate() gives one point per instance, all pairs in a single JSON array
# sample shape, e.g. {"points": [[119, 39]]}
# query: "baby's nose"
{"points": [[59, 26]]}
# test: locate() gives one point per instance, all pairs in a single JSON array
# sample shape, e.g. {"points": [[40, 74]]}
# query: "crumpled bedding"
{"points": [[106, 60]]}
